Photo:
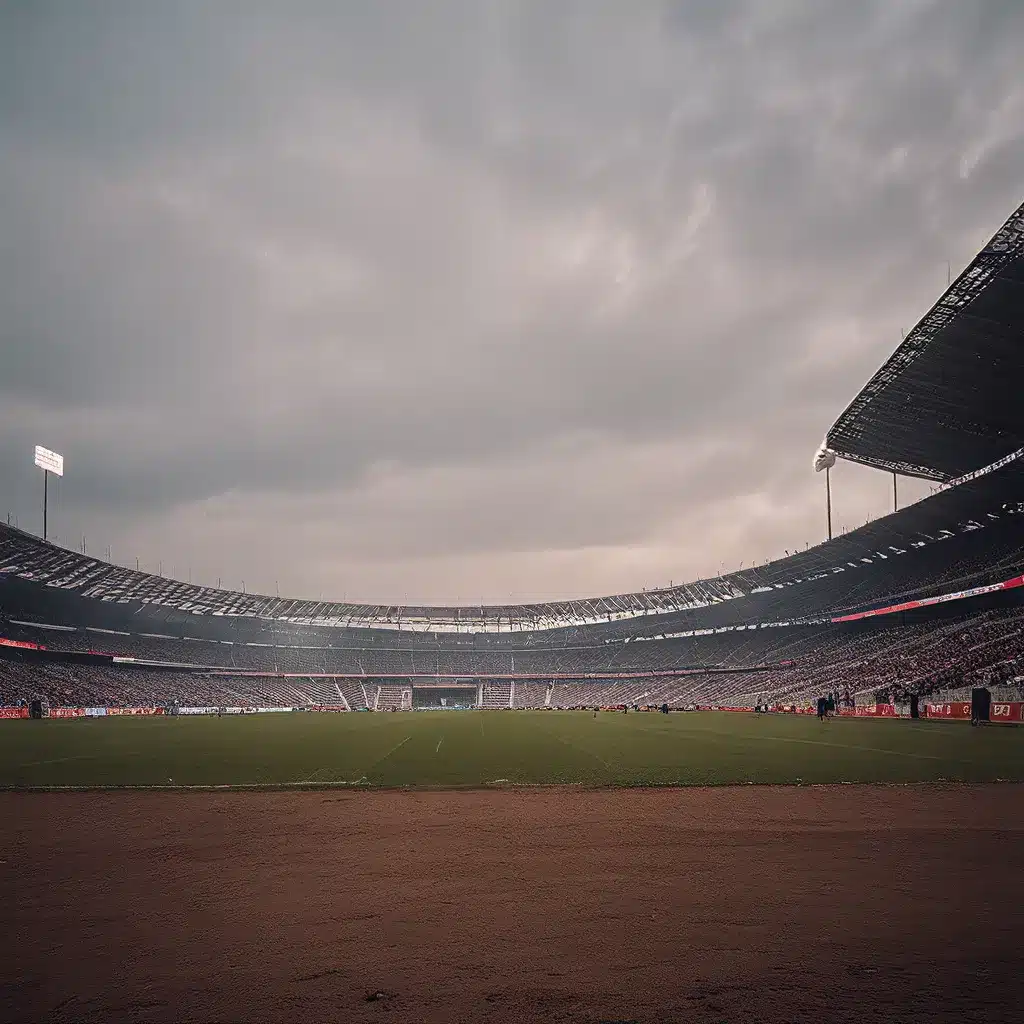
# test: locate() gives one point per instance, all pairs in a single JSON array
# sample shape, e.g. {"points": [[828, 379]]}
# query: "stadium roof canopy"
{"points": [[949, 400]]}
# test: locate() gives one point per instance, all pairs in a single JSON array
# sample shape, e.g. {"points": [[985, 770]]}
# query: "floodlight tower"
{"points": [[825, 459], [49, 462]]}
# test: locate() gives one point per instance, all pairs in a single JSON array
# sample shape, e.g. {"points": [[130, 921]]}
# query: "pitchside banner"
{"points": [[1002, 712], [864, 711], [959, 710], [13, 712], [215, 711], [999, 711], [779, 709], [97, 712]]}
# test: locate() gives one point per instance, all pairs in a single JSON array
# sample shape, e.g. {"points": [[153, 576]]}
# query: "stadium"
{"points": [[909, 614], [489, 738]]}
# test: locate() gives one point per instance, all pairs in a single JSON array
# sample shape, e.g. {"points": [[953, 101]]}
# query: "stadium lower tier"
{"points": [[871, 661]]}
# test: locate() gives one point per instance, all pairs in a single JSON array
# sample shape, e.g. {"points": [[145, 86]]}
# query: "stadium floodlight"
{"points": [[825, 459], [49, 462]]}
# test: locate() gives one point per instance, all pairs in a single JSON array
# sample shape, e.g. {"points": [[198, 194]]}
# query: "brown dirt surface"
{"points": [[723, 905]]}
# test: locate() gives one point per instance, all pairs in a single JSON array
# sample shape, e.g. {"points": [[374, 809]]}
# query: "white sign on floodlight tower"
{"points": [[49, 462], [825, 459]]}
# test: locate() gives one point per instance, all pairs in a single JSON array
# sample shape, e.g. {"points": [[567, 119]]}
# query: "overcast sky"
{"points": [[442, 302]]}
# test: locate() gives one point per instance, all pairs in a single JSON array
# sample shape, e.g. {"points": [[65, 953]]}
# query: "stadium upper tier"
{"points": [[962, 537], [948, 400]]}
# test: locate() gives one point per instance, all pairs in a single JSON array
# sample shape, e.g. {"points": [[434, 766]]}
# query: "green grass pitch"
{"points": [[474, 748]]}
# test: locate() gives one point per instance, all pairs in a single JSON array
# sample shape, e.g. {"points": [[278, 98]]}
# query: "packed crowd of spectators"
{"points": [[871, 661], [922, 660], [884, 657], [728, 649]]}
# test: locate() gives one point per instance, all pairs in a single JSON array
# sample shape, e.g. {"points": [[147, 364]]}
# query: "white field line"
{"points": [[439, 742], [61, 760], [582, 750], [854, 746], [387, 755]]}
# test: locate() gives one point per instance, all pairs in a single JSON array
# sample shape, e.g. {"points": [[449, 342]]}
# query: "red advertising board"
{"points": [[960, 711], [1006, 712], [21, 643], [956, 711], [135, 711], [870, 711], [67, 713], [13, 712], [863, 711], [924, 602], [876, 711]]}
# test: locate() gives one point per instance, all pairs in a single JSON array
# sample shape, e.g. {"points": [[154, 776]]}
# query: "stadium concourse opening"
{"points": [[444, 696]]}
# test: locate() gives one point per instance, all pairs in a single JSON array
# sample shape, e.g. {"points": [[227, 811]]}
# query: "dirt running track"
{"points": [[736, 905]]}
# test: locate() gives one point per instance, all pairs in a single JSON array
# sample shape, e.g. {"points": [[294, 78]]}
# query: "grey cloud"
{"points": [[270, 252]]}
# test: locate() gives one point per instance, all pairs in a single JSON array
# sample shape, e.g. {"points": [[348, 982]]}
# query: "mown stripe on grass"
{"points": [[703, 731], [576, 746], [856, 746]]}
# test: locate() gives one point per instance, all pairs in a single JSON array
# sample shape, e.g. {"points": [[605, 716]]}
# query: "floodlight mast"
{"points": [[828, 499], [825, 459], [49, 462]]}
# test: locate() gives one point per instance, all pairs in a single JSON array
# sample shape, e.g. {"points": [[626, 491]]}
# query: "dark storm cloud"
{"points": [[432, 296]]}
